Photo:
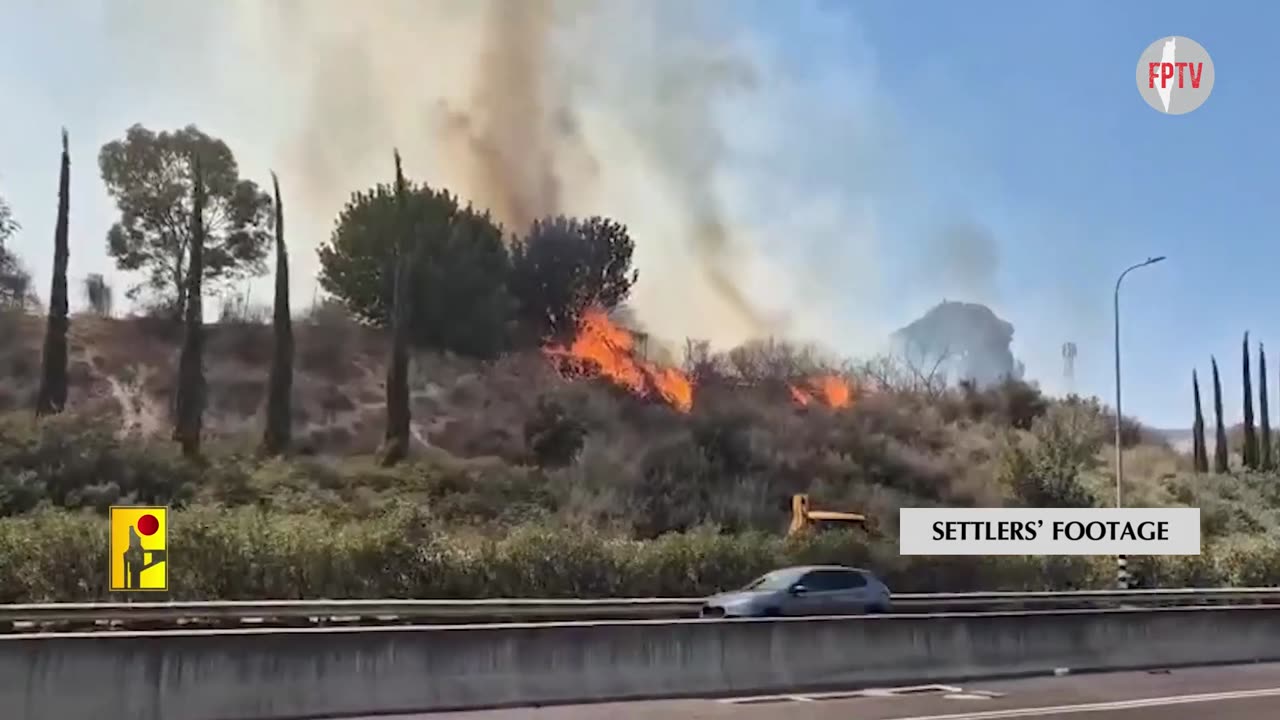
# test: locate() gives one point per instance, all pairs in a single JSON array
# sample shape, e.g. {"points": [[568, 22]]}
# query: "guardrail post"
{"points": [[1122, 572]]}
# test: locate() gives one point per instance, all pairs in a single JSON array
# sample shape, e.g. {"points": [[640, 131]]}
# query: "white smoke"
{"points": [[741, 165]]}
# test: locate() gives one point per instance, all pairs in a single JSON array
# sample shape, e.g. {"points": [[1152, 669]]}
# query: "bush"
{"points": [[326, 340], [252, 553], [76, 461], [552, 436]]}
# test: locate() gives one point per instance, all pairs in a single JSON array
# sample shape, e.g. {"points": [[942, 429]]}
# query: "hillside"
{"points": [[1178, 438], [586, 468], [733, 434], [125, 369]]}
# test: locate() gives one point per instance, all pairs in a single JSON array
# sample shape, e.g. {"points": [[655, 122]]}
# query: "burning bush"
{"points": [[602, 348]]}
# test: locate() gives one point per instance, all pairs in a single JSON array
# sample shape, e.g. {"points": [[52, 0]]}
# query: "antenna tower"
{"points": [[1069, 365]]}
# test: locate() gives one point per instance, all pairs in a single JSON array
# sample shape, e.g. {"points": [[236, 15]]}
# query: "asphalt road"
{"points": [[1249, 692]]}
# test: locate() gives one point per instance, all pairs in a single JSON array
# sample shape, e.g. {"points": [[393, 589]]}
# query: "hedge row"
{"points": [[252, 554]]}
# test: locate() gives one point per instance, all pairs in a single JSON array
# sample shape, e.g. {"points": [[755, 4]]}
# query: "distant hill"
{"points": [[1179, 439]]}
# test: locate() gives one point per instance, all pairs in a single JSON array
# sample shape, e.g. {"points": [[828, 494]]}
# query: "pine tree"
{"points": [[277, 436], [1220, 464], [1250, 437], [52, 396], [191, 382], [1199, 449], [396, 446], [1263, 409]]}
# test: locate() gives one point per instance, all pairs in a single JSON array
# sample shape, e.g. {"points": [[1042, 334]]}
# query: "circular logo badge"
{"points": [[1175, 75]]}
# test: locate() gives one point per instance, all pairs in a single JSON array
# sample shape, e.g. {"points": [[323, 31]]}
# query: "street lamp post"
{"points": [[1122, 576]]}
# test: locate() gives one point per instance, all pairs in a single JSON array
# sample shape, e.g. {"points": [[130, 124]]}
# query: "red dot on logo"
{"points": [[148, 525]]}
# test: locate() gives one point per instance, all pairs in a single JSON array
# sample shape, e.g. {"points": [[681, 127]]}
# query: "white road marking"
{"points": [[1102, 706], [753, 699], [840, 695], [908, 690]]}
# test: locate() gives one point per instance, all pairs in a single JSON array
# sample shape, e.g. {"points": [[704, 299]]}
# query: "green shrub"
{"points": [[252, 553], [552, 435], [75, 461]]}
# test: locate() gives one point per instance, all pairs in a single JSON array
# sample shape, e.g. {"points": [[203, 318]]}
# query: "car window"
{"points": [[830, 580], [822, 580], [776, 580], [850, 579]]}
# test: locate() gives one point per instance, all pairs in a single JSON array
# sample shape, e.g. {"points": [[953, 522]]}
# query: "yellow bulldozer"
{"points": [[805, 519]]}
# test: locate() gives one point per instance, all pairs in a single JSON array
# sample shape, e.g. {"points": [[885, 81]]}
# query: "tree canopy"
{"points": [[149, 176], [457, 295], [8, 226], [15, 281], [565, 266]]}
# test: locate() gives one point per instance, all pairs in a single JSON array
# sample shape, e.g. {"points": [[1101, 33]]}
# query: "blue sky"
{"points": [[1019, 118], [1029, 121]]}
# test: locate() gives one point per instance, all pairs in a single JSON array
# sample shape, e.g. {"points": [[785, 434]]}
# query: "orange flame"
{"points": [[833, 390], [605, 348]]}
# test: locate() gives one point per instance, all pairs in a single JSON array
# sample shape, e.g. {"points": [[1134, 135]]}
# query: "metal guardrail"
{"points": [[318, 610], [1155, 597], [293, 612]]}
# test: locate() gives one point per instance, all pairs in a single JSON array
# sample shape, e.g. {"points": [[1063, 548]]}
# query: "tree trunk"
{"points": [[396, 446], [1264, 410], [278, 434], [191, 382], [1250, 436], [1220, 464], [1199, 447], [52, 396]]}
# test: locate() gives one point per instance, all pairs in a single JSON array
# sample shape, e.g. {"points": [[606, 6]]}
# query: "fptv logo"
{"points": [[1175, 75]]}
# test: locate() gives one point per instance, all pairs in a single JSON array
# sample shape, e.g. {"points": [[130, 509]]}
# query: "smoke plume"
{"points": [[966, 341], [532, 108], [964, 260], [739, 162]]}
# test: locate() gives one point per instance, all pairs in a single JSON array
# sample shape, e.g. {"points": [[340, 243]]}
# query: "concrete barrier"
{"points": [[305, 673]]}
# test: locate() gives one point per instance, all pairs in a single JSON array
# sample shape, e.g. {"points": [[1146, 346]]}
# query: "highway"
{"points": [[311, 672], [1243, 692]]}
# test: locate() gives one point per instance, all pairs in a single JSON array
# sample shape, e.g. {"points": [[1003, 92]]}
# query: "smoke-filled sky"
{"points": [[821, 170]]}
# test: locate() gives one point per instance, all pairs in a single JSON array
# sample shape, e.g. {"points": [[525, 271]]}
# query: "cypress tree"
{"points": [[1263, 409], [277, 436], [1220, 464], [1250, 437], [1199, 449], [52, 396], [396, 446], [191, 382]]}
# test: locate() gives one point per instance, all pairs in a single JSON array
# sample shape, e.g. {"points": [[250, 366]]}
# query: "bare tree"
{"points": [[699, 364], [909, 372], [772, 360]]}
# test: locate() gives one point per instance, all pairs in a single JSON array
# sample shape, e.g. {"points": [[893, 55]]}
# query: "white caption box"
{"points": [[1049, 531]]}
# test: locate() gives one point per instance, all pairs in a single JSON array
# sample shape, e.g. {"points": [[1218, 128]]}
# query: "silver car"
{"points": [[808, 590]]}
